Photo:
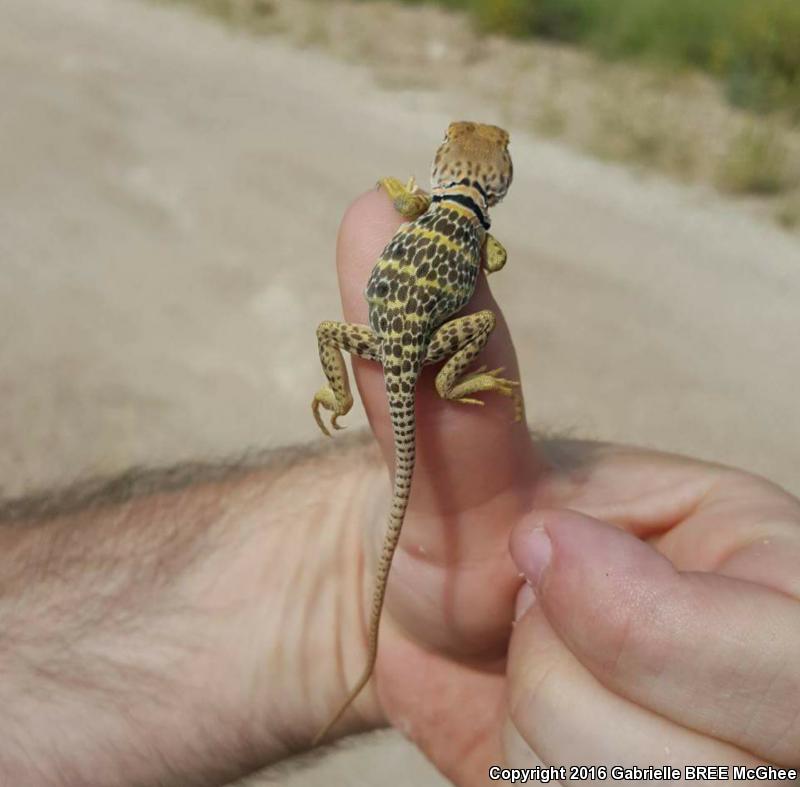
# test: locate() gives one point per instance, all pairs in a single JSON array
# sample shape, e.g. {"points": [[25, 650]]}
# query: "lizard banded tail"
{"points": [[401, 409]]}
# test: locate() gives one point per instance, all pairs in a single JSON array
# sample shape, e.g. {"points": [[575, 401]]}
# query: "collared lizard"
{"points": [[426, 273]]}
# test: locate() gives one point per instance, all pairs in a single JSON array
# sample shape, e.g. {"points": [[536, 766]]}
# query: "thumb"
{"points": [[588, 577], [707, 651], [490, 451], [474, 475]]}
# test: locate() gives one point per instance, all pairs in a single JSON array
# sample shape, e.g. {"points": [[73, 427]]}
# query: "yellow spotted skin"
{"points": [[426, 273]]}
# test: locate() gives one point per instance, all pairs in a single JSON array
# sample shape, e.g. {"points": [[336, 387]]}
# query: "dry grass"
{"points": [[756, 162], [788, 212], [674, 122], [751, 46]]}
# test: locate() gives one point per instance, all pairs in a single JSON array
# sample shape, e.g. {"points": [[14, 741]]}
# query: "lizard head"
{"points": [[475, 152]]}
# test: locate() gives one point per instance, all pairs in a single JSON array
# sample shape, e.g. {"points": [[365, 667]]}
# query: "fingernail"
{"points": [[525, 600], [535, 555]]}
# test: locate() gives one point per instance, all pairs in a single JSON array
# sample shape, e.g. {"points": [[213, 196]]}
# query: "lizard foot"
{"points": [[326, 399], [495, 255], [409, 200], [481, 380]]}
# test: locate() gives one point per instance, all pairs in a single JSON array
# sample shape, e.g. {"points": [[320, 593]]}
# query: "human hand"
{"points": [[669, 636], [441, 670], [451, 591]]}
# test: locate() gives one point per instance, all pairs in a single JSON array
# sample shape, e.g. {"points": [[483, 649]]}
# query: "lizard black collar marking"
{"points": [[467, 202], [477, 186]]}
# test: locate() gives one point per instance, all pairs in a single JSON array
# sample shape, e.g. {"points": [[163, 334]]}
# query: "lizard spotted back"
{"points": [[425, 274]]}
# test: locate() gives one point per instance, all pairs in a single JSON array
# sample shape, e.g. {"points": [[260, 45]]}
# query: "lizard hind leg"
{"points": [[462, 339], [409, 200], [332, 338]]}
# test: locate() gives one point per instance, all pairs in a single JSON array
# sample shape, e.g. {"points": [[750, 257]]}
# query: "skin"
{"points": [[618, 639], [171, 632]]}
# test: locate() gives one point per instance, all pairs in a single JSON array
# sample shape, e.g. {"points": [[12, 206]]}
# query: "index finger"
{"points": [[471, 432], [476, 467]]}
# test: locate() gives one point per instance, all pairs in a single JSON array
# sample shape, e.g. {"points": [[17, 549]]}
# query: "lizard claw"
{"points": [[466, 400], [318, 417], [326, 399], [481, 380]]}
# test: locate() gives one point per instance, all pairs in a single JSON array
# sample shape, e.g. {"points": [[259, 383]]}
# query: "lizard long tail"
{"points": [[404, 427]]}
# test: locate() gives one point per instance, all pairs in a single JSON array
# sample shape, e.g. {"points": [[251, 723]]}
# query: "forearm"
{"points": [[175, 637]]}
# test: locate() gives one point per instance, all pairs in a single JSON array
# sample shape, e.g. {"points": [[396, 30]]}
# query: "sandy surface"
{"points": [[170, 195]]}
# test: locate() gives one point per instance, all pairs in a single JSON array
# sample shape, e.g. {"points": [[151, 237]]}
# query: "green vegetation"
{"points": [[753, 46]]}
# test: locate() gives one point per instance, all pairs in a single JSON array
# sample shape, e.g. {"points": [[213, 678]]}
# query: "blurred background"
{"points": [[172, 175]]}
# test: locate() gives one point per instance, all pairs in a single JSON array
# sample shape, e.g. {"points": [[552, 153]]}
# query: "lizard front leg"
{"points": [[333, 337], [409, 200], [462, 339], [494, 254]]}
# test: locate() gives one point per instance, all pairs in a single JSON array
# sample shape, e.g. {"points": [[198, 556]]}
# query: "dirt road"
{"points": [[170, 195]]}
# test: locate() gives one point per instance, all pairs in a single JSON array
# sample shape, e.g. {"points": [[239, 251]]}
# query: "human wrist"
{"points": [[178, 626], [314, 586]]}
